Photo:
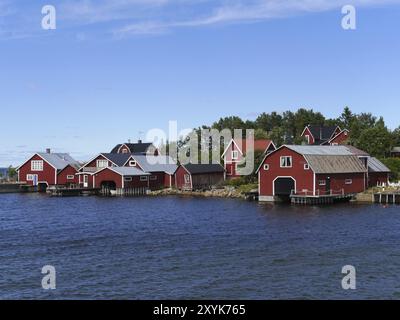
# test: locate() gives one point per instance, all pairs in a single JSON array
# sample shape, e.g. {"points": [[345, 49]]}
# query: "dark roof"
{"points": [[204, 168], [322, 133], [133, 147], [118, 158]]}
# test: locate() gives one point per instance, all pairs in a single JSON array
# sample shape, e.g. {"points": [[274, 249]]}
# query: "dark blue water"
{"points": [[182, 248]]}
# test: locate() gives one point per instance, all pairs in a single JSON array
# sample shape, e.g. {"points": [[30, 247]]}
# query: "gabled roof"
{"points": [[259, 145], [374, 165], [119, 159], [133, 147], [156, 163], [321, 133], [58, 161], [203, 168], [127, 171], [396, 149]]}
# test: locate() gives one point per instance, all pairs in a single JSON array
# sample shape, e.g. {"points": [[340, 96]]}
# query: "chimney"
{"points": [[48, 150], [139, 141]]}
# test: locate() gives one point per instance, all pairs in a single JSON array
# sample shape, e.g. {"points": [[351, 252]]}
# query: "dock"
{"points": [[72, 192], [325, 199], [387, 198]]}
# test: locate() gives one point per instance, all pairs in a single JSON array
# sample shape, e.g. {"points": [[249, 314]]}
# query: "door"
{"points": [[328, 185], [85, 181], [35, 180]]}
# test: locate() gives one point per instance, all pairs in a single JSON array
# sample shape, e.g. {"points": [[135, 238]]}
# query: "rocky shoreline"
{"points": [[227, 192]]}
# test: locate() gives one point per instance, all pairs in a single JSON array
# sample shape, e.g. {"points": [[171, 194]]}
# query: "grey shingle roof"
{"points": [[374, 165], [322, 133], [335, 164], [396, 149], [118, 158], [204, 168], [322, 150], [59, 160], [133, 147], [156, 163], [129, 171]]}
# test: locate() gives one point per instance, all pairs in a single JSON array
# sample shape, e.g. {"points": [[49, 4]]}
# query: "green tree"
{"points": [[376, 141]]}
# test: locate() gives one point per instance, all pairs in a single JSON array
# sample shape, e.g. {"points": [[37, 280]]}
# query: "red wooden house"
{"points": [[235, 153], [325, 135], [199, 176], [49, 169], [158, 171], [310, 171]]}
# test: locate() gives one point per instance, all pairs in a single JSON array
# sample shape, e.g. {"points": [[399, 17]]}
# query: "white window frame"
{"points": [[266, 167], [348, 181], [283, 162], [124, 151], [128, 179], [306, 166], [143, 178], [322, 183], [235, 155], [103, 162], [132, 163], [37, 165], [186, 178], [70, 177], [153, 178], [31, 177]]}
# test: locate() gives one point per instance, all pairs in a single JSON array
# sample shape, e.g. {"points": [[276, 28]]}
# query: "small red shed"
{"points": [[199, 176]]}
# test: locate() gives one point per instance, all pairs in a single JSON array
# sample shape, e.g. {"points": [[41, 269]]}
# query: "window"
{"points": [[286, 162], [102, 163], [308, 138], [128, 179], [335, 144], [153, 178], [349, 181], [132, 163], [235, 155], [266, 167], [31, 177], [306, 166], [70, 177], [143, 178], [124, 151], [322, 182], [187, 178], [37, 165]]}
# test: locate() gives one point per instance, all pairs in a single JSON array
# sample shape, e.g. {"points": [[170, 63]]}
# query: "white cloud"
{"points": [[246, 11]]}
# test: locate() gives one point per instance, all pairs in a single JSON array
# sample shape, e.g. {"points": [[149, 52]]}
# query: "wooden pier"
{"points": [[71, 192], [309, 199], [387, 198]]}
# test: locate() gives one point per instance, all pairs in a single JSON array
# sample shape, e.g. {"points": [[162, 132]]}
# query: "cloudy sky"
{"points": [[114, 69]]}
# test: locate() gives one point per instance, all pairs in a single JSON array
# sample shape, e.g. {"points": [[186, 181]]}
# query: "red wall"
{"points": [[338, 183], [159, 183], [68, 171], [304, 178], [180, 179], [230, 165], [341, 138], [47, 175], [109, 175], [93, 163], [378, 177], [307, 132]]}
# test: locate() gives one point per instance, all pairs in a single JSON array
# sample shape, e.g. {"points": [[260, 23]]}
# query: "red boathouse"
{"points": [[310, 171]]}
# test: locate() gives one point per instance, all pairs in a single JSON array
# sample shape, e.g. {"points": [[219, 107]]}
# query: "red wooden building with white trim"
{"points": [[325, 135], [45, 169], [235, 154], [310, 171]]}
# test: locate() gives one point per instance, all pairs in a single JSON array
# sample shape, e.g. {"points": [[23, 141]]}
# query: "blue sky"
{"points": [[112, 69]]}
